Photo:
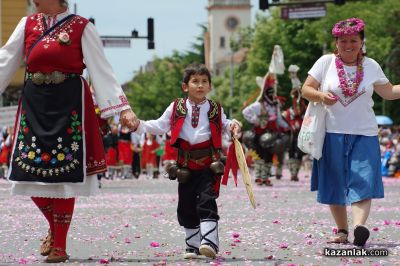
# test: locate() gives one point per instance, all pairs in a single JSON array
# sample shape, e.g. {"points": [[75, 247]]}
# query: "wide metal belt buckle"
{"points": [[56, 77], [38, 78]]}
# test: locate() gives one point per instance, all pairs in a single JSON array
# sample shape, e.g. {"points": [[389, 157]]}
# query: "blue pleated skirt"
{"points": [[349, 170]]}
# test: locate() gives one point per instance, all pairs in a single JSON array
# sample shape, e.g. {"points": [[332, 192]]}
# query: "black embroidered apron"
{"points": [[49, 145]]}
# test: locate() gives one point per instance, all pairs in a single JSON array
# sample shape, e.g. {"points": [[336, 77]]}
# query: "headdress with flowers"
{"points": [[348, 27]]}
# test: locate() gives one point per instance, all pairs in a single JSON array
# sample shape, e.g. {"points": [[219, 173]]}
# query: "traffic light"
{"points": [[340, 2], [263, 5], [150, 33]]}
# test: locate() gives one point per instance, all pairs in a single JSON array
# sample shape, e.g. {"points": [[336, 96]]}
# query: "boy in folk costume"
{"points": [[294, 115], [196, 126], [266, 117]]}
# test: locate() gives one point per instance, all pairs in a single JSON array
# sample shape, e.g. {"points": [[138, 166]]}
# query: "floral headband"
{"points": [[348, 27]]}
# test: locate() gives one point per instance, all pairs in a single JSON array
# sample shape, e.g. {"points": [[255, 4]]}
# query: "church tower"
{"points": [[225, 17]]}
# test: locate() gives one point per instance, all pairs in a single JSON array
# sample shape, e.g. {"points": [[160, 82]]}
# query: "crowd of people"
{"points": [[389, 140], [57, 152]]}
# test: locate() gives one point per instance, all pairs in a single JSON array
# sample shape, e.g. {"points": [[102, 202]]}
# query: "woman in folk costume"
{"points": [[266, 117], [57, 149], [294, 115]]}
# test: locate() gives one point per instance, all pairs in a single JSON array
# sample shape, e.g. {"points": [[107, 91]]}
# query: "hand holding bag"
{"points": [[312, 132]]}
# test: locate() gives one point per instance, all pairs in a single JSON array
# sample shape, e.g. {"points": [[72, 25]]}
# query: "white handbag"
{"points": [[312, 133]]}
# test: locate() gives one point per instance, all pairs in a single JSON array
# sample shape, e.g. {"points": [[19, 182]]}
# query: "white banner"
{"points": [[7, 115]]}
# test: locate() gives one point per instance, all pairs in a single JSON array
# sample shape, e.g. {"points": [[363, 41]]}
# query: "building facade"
{"points": [[225, 17], [11, 12]]}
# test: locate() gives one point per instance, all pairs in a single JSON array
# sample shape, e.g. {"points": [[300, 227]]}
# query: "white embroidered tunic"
{"points": [[192, 135]]}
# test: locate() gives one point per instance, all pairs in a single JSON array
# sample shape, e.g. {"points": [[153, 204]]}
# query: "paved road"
{"points": [[287, 228]]}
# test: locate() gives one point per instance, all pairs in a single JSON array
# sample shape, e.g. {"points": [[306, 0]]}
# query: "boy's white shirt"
{"points": [[192, 135]]}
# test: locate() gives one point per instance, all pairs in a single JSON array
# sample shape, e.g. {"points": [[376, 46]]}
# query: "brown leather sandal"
{"points": [[57, 255], [340, 238], [47, 244]]}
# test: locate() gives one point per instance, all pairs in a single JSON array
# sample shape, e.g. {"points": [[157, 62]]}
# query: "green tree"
{"points": [[303, 41]]}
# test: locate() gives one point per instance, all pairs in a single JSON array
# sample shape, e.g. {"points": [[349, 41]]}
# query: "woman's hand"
{"points": [[328, 98], [128, 119]]}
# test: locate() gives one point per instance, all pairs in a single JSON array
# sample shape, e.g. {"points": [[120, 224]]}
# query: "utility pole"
{"points": [[231, 79]]}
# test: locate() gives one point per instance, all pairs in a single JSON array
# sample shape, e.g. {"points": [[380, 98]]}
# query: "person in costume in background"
{"points": [[278, 158], [125, 151], [110, 142], [266, 117], [170, 153], [349, 171], [196, 126], [294, 115], [5, 147], [137, 151], [149, 156], [57, 149]]}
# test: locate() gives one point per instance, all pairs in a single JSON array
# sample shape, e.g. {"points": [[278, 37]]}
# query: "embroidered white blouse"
{"points": [[108, 92], [192, 135]]}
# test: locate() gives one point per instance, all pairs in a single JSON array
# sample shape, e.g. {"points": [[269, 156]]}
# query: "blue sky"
{"points": [[176, 27]]}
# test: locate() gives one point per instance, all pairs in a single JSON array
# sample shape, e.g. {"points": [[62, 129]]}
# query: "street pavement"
{"points": [[133, 222]]}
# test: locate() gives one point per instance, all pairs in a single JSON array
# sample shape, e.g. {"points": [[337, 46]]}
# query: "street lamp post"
{"points": [[231, 79], [134, 34]]}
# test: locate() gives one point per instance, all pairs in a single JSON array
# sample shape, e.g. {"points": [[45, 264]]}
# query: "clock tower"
{"points": [[225, 17]]}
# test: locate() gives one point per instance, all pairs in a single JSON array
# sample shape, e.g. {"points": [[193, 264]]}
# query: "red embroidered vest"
{"points": [[45, 57], [214, 117]]}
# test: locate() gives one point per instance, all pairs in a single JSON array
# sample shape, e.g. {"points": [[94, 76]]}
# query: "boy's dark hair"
{"points": [[194, 69]]}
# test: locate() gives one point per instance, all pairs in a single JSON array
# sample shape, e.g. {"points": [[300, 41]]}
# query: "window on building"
{"points": [[222, 42]]}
